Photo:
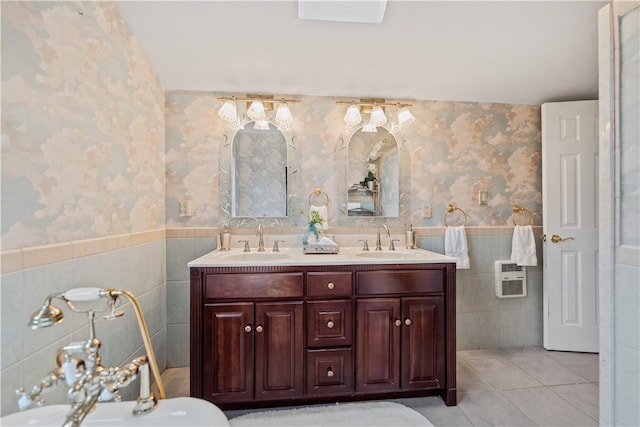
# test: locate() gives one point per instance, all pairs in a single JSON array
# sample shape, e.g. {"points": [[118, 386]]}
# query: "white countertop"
{"points": [[295, 256]]}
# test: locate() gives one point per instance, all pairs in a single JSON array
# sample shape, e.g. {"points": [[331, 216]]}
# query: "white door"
{"points": [[570, 215]]}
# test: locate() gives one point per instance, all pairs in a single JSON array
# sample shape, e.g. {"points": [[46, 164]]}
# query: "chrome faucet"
{"points": [[89, 382], [259, 233], [378, 242]]}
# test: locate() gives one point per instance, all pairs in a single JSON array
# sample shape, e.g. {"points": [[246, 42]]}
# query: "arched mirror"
{"points": [[373, 178], [258, 175]]}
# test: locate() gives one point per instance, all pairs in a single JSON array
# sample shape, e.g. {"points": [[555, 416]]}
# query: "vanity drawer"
{"points": [[329, 323], [329, 284], [329, 371], [253, 286], [383, 282]]}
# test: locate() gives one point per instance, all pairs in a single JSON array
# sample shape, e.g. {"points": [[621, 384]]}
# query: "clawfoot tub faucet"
{"points": [[78, 363]]}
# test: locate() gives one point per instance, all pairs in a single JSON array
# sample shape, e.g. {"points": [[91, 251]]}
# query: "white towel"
{"points": [[455, 245], [523, 246], [322, 211]]}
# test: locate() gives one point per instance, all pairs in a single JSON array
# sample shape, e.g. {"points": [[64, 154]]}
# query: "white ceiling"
{"points": [[519, 52]]}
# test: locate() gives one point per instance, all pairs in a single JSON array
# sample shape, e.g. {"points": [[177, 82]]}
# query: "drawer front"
{"points": [[383, 282], [329, 323], [329, 371], [253, 286], [329, 284]]}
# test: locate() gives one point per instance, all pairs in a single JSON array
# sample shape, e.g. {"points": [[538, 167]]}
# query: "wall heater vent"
{"points": [[511, 280]]}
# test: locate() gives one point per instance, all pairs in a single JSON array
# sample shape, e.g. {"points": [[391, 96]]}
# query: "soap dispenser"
{"points": [[225, 239], [410, 238]]}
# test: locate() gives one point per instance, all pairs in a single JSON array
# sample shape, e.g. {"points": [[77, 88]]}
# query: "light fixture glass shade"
{"points": [[369, 127], [228, 111], [283, 115], [352, 116], [405, 117], [256, 111], [261, 125], [377, 116]]}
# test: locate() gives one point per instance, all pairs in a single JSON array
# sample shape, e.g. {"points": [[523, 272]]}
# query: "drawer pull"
{"points": [[407, 322], [330, 324], [331, 285], [259, 329], [329, 372], [247, 328], [398, 322]]}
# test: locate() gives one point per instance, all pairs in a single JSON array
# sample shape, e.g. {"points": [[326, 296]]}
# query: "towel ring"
{"points": [[450, 208], [319, 192], [519, 210]]}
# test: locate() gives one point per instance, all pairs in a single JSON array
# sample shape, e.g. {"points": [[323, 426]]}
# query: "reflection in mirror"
{"points": [[259, 176], [373, 174], [373, 177], [259, 172]]}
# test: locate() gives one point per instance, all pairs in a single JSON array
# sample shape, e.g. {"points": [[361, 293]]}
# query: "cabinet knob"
{"points": [[407, 322], [398, 322], [330, 324], [331, 285], [247, 328], [329, 372], [259, 329]]}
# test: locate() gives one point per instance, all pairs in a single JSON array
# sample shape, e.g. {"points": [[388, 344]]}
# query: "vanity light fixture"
{"points": [[283, 115], [375, 107], [405, 117], [377, 116], [228, 112], [353, 116], [256, 111], [258, 105], [369, 127], [261, 125]]}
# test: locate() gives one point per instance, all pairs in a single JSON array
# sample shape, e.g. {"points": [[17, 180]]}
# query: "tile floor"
{"points": [[525, 386]]}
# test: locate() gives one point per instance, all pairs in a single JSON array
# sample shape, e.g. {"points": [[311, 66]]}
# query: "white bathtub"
{"points": [[180, 411]]}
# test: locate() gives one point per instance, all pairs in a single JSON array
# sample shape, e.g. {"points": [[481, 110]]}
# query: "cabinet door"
{"points": [[228, 352], [423, 343], [279, 350], [378, 345]]}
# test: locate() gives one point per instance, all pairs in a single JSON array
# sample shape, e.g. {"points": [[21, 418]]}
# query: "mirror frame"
{"points": [[226, 190], [404, 184]]}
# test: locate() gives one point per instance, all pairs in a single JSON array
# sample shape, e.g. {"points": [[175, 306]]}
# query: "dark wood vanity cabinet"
{"points": [[253, 351], [265, 336], [398, 333], [397, 344], [253, 347]]}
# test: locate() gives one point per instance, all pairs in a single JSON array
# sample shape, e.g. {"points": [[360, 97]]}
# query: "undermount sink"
{"points": [[389, 255], [256, 256]]}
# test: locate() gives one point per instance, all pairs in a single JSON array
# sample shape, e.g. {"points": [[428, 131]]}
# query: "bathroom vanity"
{"points": [[284, 328]]}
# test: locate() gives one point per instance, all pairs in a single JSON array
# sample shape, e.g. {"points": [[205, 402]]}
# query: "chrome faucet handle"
{"points": [[275, 245], [392, 247], [365, 245], [246, 245]]}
